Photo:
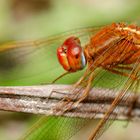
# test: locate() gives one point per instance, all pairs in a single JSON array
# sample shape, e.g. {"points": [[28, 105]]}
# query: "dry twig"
{"points": [[34, 99]]}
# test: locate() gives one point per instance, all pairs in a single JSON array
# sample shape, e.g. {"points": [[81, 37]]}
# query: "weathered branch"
{"points": [[37, 100]]}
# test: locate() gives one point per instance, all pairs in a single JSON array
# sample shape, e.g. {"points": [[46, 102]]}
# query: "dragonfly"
{"points": [[105, 51]]}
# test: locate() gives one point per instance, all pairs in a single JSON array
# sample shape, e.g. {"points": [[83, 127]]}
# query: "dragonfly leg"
{"points": [[68, 89], [70, 101], [124, 67], [134, 101], [87, 89], [133, 77], [129, 113], [59, 77]]}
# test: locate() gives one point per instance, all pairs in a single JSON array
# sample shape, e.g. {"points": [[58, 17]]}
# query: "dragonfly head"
{"points": [[70, 55]]}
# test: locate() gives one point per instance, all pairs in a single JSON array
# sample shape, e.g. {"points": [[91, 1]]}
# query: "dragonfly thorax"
{"points": [[70, 55]]}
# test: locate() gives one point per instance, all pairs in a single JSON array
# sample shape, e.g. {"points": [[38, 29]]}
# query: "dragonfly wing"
{"points": [[50, 39], [126, 85], [35, 62], [55, 128], [108, 117]]}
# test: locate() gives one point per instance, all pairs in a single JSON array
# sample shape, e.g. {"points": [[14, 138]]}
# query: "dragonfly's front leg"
{"points": [[69, 89], [68, 102]]}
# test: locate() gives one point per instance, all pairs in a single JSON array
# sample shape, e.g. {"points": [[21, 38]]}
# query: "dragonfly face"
{"points": [[70, 55]]}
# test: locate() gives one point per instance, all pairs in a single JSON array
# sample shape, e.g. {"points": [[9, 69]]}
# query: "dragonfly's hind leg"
{"points": [[133, 104], [130, 110], [133, 77]]}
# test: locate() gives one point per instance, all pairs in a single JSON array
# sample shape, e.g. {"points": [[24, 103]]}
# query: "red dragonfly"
{"points": [[114, 49]]}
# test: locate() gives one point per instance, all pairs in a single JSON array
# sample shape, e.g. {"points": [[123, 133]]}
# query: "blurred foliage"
{"points": [[34, 19]]}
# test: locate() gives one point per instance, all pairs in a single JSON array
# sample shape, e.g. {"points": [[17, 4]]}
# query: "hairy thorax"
{"points": [[113, 45]]}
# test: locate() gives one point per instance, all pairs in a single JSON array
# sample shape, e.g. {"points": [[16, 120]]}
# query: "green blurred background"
{"points": [[34, 19]]}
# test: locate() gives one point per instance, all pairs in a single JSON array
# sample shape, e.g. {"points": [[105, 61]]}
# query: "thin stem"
{"points": [[34, 99]]}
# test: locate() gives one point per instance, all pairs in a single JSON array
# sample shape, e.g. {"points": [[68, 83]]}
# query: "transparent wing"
{"points": [[55, 128], [130, 85], [131, 72], [35, 62], [50, 39]]}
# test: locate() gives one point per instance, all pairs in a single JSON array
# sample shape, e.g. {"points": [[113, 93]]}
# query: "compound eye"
{"points": [[70, 55]]}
